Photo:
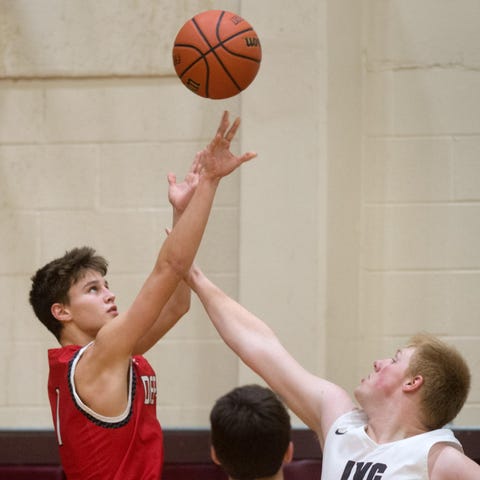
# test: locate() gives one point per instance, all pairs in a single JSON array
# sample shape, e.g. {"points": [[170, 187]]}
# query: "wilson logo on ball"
{"points": [[252, 42], [217, 54]]}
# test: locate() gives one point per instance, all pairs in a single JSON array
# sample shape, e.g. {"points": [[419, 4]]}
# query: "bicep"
{"points": [[118, 338], [447, 463]]}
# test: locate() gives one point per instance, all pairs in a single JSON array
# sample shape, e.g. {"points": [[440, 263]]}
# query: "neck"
{"points": [[74, 336], [391, 428], [394, 417]]}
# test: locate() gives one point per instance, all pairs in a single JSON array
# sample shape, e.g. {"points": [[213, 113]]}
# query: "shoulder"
{"points": [[62, 354], [445, 462], [352, 418], [341, 423]]}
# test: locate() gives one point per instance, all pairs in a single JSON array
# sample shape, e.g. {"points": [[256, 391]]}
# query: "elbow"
{"points": [[177, 267], [181, 300], [183, 306]]}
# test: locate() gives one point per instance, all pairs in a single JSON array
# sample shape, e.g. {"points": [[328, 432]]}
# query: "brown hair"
{"points": [[446, 378], [51, 283], [250, 432]]}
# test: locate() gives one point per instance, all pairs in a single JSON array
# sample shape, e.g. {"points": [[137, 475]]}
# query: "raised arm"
{"points": [[179, 195], [101, 374], [317, 402]]}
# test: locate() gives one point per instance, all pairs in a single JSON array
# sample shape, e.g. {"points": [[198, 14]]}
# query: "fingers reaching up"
{"points": [[216, 159]]}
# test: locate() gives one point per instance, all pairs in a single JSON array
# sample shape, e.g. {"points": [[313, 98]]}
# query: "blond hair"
{"points": [[446, 378]]}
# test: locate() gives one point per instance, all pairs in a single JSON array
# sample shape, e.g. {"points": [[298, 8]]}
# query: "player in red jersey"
{"points": [[102, 391]]}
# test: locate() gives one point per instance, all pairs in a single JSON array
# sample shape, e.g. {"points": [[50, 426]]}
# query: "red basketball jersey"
{"points": [[92, 446]]}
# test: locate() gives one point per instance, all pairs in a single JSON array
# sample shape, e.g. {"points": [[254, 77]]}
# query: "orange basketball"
{"points": [[217, 54]]}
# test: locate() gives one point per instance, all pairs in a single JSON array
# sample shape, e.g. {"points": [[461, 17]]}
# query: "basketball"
{"points": [[217, 54]]}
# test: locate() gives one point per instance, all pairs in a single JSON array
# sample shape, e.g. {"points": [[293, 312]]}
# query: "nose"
{"points": [[377, 365], [109, 296]]}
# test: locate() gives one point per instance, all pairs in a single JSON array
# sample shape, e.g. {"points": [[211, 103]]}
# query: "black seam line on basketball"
{"points": [[235, 54], [212, 50], [199, 30], [221, 42], [217, 34], [201, 57]]}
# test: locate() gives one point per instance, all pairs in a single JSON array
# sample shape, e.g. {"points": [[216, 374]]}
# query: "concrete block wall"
{"points": [[420, 215], [92, 120], [355, 227]]}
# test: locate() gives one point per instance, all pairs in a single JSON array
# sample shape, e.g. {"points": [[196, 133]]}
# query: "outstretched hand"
{"points": [[179, 194], [216, 160]]}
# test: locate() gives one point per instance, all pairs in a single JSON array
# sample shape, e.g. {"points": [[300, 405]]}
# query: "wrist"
{"points": [[176, 214], [208, 179]]}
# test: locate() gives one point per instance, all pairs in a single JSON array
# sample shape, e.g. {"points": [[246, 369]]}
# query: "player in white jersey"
{"points": [[393, 431]]}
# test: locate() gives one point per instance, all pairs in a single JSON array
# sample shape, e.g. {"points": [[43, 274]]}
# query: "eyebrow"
{"points": [[91, 282], [95, 282]]}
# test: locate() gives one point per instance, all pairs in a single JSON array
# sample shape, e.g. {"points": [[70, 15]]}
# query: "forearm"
{"points": [[177, 306], [211, 164], [180, 247], [249, 337], [179, 303]]}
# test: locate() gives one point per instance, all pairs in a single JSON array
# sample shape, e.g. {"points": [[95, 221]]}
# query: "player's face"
{"points": [[91, 303], [387, 377]]}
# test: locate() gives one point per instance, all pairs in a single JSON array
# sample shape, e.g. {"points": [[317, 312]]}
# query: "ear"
{"points": [[61, 312], [288, 454], [413, 384], [213, 455]]}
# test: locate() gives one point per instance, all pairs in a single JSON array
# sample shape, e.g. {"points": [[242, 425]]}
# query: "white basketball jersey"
{"points": [[350, 454]]}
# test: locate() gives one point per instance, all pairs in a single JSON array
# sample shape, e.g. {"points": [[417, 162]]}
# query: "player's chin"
{"points": [[359, 394]]}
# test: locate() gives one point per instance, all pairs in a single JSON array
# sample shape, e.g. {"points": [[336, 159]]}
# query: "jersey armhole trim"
{"points": [[101, 420]]}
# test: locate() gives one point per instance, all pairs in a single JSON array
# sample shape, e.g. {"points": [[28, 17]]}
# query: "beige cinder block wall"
{"points": [[363, 116], [283, 201], [420, 210], [396, 194], [92, 120]]}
